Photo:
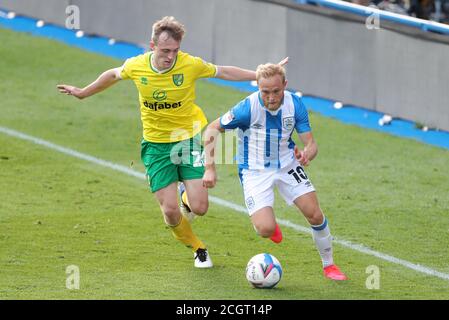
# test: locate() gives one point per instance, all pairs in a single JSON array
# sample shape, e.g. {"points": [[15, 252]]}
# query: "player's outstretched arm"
{"points": [[310, 150], [239, 74], [283, 62], [210, 142], [105, 80], [235, 73]]}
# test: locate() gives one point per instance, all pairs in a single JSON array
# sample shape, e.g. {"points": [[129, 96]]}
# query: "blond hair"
{"points": [[170, 25], [269, 70]]}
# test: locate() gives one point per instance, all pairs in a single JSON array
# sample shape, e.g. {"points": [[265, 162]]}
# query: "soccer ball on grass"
{"points": [[264, 271]]}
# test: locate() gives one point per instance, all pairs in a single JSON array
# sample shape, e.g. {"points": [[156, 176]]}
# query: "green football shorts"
{"points": [[166, 163]]}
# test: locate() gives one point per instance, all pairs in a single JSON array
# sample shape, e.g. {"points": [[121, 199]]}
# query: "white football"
{"points": [[264, 271]]}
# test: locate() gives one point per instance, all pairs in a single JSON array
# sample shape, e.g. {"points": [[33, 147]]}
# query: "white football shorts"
{"points": [[258, 185]]}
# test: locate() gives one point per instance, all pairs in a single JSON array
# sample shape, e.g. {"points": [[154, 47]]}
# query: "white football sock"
{"points": [[323, 241]]}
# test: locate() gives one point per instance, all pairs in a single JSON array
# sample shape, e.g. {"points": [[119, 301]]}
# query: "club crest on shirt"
{"points": [[178, 79], [287, 123]]}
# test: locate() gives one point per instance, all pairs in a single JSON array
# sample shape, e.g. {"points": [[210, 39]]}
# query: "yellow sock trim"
{"points": [[184, 199], [183, 232]]}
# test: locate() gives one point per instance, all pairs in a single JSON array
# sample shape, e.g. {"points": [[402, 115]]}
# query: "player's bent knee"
{"points": [[171, 214], [200, 208], [317, 218]]}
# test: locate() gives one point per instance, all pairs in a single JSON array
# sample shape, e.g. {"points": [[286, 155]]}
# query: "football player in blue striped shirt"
{"points": [[268, 158]]}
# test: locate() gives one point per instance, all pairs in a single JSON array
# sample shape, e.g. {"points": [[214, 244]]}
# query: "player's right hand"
{"points": [[70, 90], [209, 178], [301, 156], [297, 152]]}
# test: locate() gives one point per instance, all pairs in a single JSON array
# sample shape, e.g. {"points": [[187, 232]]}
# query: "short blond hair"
{"points": [[168, 24], [269, 70]]}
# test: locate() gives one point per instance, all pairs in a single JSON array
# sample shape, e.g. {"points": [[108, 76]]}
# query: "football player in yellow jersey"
{"points": [[172, 123]]}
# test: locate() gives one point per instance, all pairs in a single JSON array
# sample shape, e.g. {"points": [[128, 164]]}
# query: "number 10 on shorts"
{"points": [[299, 174]]}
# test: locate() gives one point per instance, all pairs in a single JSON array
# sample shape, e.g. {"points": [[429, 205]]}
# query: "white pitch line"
{"points": [[354, 246]]}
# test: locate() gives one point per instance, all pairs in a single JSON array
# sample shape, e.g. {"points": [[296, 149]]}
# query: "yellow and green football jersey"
{"points": [[167, 99]]}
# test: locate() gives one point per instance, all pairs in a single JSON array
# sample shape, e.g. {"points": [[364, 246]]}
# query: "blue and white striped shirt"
{"points": [[264, 136]]}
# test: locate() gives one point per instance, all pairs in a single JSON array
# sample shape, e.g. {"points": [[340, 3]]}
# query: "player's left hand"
{"points": [[301, 156], [283, 62]]}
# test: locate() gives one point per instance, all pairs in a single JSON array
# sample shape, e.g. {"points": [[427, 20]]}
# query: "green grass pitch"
{"points": [[384, 192]]}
